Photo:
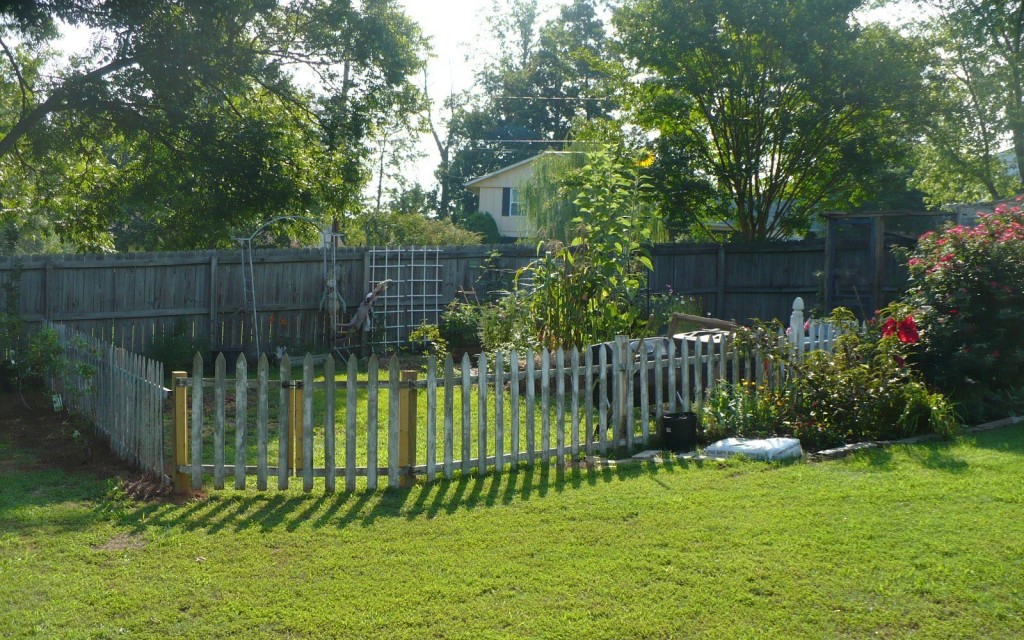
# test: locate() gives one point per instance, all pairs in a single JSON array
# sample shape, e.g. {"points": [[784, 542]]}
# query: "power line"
{"points": [[538, 141], [565, 98]]}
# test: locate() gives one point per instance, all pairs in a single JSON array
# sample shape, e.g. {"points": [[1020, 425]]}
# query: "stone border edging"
{"points": [[828, 454], [842, 452]]}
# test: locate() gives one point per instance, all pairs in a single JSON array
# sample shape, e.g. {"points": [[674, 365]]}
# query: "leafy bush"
{"points": [[744, 410], [968, 283], [389, 229], [460, 324], [43, 355], [426, 338], [864, 390], [483, 226], [176, 349], [507, 324]]}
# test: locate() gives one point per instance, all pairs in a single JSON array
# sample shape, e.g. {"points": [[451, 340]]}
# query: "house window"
{"points": [[510, 202]]}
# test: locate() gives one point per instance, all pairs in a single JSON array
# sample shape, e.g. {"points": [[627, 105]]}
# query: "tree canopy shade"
{"points": [[777, 107], [975, 84], [189, 121]]}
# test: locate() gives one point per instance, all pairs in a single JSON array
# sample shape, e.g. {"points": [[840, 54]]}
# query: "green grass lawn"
{"points": [[923, 541]]}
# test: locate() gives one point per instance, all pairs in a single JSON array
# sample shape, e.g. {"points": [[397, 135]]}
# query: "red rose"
{"points": [[908, 331]]}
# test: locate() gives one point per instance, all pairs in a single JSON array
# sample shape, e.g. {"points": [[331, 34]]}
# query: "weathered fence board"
{"points": [[121, 393], [133, 299]]}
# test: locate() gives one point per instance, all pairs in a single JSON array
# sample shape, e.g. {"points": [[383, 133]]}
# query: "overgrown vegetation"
{"points": [[864, 390], [427, 339], [460, 324]]}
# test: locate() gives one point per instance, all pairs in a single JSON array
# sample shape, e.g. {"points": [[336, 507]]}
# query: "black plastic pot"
{"points": [[678, 431]]}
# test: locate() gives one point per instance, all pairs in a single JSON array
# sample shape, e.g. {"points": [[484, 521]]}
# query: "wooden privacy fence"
{"points": [[136, 300], [387, 423], [120, 392]]}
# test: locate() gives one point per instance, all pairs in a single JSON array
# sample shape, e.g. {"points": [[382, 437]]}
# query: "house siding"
{"points": [[490, 191]]}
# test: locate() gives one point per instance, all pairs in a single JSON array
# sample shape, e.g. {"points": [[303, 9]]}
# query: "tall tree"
{"points": [[780, 107], [975, 85], [200, 119]]}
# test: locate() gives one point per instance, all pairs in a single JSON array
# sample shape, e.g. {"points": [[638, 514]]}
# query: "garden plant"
{"points": [[866, 389], [966, 289]]}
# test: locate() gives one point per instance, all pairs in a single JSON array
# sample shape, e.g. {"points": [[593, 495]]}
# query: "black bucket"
{"points": [[678, 431]]}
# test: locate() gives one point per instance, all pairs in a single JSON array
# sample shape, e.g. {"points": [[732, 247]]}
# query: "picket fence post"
{"points": [[407, 429], [181, 479]]}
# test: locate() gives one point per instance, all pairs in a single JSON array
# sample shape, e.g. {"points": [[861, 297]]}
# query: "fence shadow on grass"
{"points": [[250, 510]]}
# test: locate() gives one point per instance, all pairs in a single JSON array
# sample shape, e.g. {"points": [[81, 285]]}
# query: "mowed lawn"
{"points": [[923, 541]]}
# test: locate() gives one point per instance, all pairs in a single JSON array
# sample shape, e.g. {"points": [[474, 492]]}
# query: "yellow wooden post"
{"points": [[295, 426], [182, 481], [407, 429]]}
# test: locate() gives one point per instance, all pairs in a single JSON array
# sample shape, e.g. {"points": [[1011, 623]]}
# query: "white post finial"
{"points": [[796, 322]]}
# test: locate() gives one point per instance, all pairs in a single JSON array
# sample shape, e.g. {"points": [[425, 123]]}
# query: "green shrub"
{"points": [[743, 410], [483, 226], [392, 229], [43, 355], [176, 349], [967, 284], [864, 390], [507, 324], [427, 339], [460, 324]]}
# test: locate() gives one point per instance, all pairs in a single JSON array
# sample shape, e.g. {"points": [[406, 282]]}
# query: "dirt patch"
{"points": [[121, 542], [35, 437]]}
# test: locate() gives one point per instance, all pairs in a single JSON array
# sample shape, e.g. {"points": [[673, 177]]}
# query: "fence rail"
{"points": [[514, 408], [120, 392]]}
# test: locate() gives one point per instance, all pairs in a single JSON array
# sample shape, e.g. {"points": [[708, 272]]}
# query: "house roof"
{"points": [[474, 181]]}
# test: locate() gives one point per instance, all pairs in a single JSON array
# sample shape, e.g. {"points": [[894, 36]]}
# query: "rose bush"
{"points": [[968, 284], [864, 390]]}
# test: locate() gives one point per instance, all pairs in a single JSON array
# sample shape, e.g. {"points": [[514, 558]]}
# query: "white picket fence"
{"points": [[119, 392], [498, 411]]}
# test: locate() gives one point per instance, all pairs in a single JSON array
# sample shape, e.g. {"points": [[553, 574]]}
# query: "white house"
{"points": [[498, 192]]}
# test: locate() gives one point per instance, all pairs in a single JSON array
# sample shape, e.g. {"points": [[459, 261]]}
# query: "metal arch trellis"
{"points": [[328, 240]]}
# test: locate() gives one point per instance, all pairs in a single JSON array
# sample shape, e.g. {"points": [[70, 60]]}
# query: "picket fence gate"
{"points": [[587, 403]]}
